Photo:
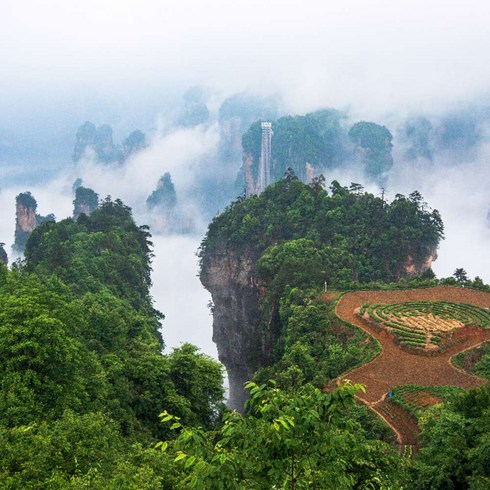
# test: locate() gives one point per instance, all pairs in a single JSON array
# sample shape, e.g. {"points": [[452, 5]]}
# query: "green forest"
{"points": [[88, 400], [321, 140]]}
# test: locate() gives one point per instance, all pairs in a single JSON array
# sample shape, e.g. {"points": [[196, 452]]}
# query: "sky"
{"points": [[125, 62], [373, 54]]}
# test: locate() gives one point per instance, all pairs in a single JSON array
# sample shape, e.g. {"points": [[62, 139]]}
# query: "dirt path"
{"points": [[394, 366]]}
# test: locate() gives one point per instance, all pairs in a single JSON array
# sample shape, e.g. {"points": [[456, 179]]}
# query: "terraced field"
{"points": [[424, 324], [415, 398], [396, 366]]}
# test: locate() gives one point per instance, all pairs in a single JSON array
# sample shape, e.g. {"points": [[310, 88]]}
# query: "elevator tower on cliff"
{"points": [[265, 157]]}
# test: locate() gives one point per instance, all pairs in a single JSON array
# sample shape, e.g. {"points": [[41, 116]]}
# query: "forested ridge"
{"points": [[88, 400], [374, 238], [295, 240], [83, 379]]}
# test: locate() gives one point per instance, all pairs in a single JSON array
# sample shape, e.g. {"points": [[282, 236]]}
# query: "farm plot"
{"points": [[396, 367], [414, 398], [424, 324]]}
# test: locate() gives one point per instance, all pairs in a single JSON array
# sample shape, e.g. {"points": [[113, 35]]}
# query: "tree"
{"points": [[86, 201], [3, 254], [296, 441], [461, 276], [44, 367], [199, 380], [456, 444]]}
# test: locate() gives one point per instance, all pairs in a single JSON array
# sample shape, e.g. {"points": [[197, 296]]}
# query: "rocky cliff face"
{"points": [[246, 323], [25, 219], [415, 267], [244, 340], [244, 343], [3, 255], [85, 202]]}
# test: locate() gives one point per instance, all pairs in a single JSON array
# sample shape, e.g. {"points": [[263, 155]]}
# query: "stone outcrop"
{"points": [[246, 323], [244, 339], [248, 178], [86, 201], [244, 342], [3, 255], [26, 219], [415, 267]]}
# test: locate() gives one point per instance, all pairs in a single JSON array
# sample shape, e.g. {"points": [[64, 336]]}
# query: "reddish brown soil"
{"points": [[403, 423], [421, 399], [394, 366]]}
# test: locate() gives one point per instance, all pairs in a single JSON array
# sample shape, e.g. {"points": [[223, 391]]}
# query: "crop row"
{"points": [[413, 398], [413, 320]]}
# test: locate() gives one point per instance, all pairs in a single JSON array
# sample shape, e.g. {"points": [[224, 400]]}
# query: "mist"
{"points": [[128, 63]]}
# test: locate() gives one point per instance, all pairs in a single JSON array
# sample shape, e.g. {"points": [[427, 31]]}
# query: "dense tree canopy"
{"points": [[305, 440], [375, 239], [82, 374]]}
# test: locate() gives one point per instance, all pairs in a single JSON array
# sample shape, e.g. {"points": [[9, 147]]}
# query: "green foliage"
{"points": [[303, 263], [44, 366], [106, 249], [316, 138], [476, 361], [27, 200], [456, 444], [78, 451], [373, 144], [3, 257], [86, 201], [375, 238], [314, 346], [198, 379], [164, 196], [413, 398], [82, 374], [305, 440]]}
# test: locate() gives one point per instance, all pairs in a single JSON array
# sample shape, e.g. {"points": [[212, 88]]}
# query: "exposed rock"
{"points": [[248, 177], [3, 255], [26, 219], [416, 267], [244, 344], [98, 141], [166, 216], [134, 143], [372, 149], [164, 195], [85, 139], [246, 324], [86, 201]]}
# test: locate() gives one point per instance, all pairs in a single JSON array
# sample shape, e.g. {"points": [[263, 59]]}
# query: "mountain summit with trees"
{"points": [[298, 235]]}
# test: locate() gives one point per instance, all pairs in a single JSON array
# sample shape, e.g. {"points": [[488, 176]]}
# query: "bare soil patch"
{"points": [[396, 367], [421, 399]]}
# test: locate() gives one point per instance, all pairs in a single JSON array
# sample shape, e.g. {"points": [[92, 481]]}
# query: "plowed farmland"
{"points": [[396, 367]]}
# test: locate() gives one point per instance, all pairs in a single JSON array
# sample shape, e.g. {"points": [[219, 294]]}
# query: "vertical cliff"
{"points": [[296, 235], [3, 255], [244, 342], [86, 201], [26, 219]]}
